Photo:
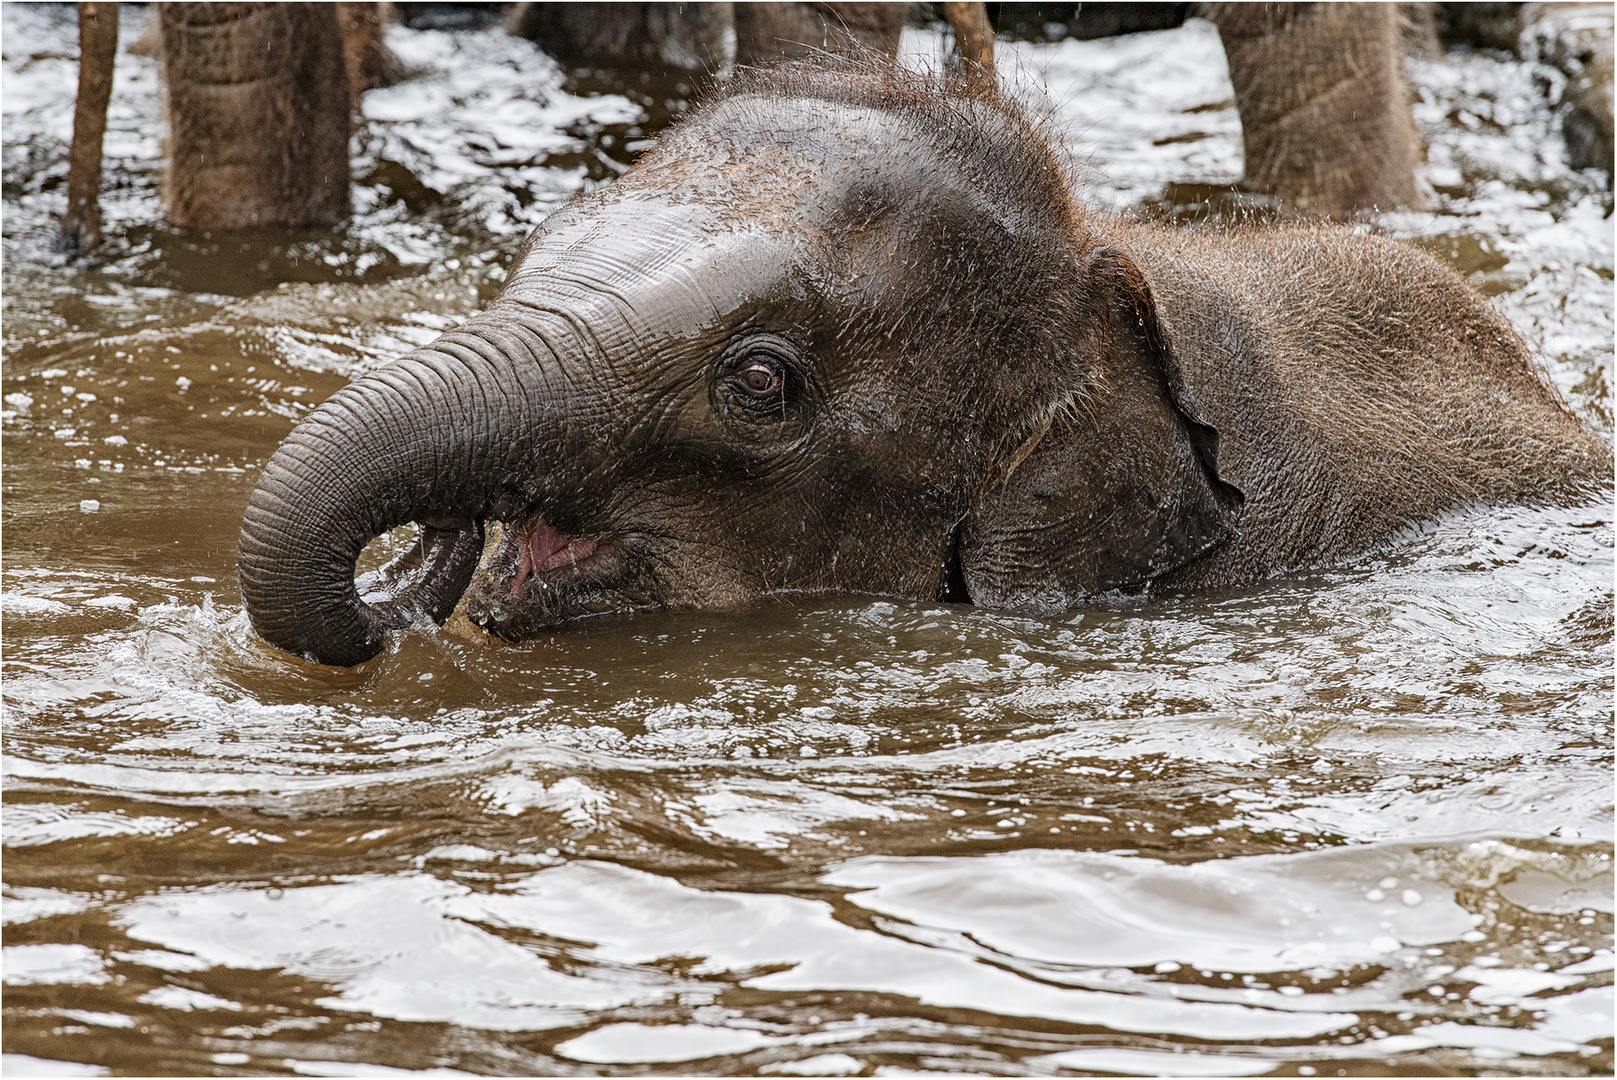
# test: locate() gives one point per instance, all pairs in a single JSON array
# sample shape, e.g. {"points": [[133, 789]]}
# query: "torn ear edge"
{"points": [[1130, 287]]}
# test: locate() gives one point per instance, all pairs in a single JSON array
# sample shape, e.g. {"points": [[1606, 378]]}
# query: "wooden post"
{"points": [[974, 42], [98, 50]]}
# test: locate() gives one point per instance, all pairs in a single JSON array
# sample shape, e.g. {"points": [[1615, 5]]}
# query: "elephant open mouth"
{"points": [[538, 552], [540, 577]]}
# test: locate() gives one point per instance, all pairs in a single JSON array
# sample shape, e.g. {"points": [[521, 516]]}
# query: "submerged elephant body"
{"points": [[843, 331]]}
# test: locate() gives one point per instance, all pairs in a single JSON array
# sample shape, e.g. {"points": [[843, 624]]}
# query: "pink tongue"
{"points": [[544, 549]]}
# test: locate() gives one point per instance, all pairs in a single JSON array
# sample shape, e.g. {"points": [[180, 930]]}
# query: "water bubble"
{"points": [[1375, 896], [89, 506], [1388, 883], [1410, 897]]}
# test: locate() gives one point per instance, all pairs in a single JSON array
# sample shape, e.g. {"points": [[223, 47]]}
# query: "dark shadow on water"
{"points": [[1218, 204], [249, 261]]}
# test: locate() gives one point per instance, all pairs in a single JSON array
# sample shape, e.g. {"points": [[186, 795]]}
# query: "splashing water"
{"points": [[1350, 822]]}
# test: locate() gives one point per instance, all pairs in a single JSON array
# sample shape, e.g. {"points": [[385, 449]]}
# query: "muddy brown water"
{"points": [[1354, 822]]}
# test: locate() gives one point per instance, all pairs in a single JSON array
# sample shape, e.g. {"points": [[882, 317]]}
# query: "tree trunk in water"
{"points": [[258, 115], [98, 52]]}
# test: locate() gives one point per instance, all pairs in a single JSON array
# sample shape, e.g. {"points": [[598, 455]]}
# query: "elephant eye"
{"points": [[758, 378]]}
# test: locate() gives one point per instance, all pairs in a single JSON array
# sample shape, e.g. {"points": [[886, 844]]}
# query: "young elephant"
{"points": [[846, 332]]}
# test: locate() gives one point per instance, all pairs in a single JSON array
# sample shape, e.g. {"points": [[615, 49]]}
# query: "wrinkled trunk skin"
{"points": [[1325, 116], [435, 438], [258, 105]]}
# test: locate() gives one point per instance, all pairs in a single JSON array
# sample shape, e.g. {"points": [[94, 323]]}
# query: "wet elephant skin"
{"points": [[846, 333]]}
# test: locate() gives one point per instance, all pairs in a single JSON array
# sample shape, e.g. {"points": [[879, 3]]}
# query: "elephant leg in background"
{"points": [[1417, 26], [672, 38], [704, 37], [973, 45], [1325, 114], [258, 105], [98, 51], [369, 61], [766, 32], [1576, 39]]}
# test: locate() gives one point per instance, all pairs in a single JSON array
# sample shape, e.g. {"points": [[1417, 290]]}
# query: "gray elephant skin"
{"points": [[847, 331]]}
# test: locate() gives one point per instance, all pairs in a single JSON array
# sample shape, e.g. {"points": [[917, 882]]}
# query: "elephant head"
{"points": [[838, 332]]}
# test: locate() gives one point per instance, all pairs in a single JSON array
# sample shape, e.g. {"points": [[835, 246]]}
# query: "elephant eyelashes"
{"points": [[761, 373], [761, 388], [759, 378]]}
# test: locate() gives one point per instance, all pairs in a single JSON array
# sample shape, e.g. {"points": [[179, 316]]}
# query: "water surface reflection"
{"points": [[1354, 822]]}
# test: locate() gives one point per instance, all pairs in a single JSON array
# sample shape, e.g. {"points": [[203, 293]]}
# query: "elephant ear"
{"points": [[1123, 485]]}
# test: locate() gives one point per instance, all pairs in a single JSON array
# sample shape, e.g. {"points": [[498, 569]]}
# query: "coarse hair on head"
{"points": [[1005, 147]]}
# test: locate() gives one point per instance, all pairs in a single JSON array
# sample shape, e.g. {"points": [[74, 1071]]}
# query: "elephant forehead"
{"points": [[645, 266]]}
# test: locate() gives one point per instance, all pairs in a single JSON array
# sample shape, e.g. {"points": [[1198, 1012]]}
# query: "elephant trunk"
{"points": [[431, 438]]}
